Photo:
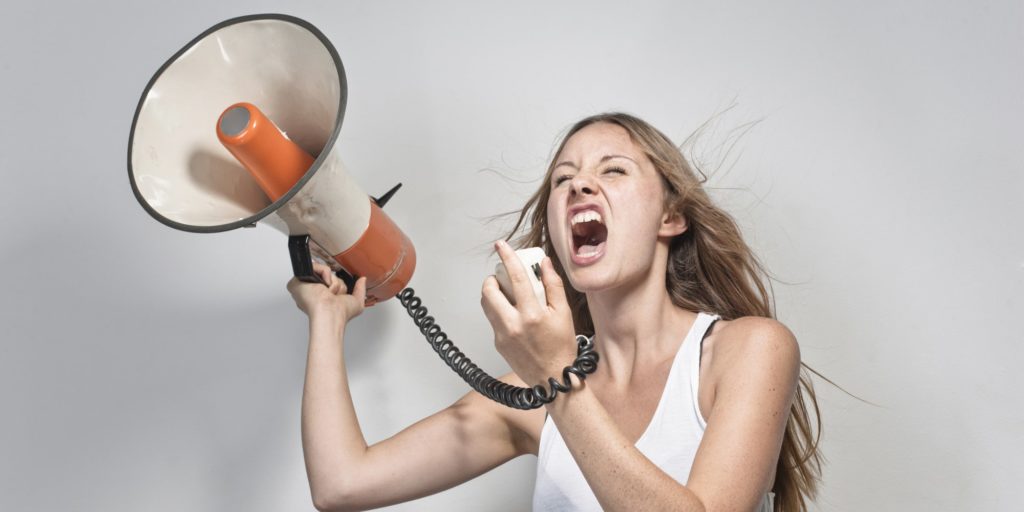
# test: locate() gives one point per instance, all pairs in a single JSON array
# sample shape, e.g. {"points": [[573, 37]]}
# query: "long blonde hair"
{"points": [[710, 268]]}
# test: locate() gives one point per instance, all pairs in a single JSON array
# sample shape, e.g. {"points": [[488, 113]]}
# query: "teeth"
{"points": [[587, 250], [586, 216]]}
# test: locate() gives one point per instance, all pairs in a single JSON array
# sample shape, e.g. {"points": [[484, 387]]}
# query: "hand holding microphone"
{"points": [[531, 258], [534, 333]]}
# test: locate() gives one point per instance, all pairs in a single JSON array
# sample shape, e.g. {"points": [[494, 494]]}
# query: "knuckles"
{"points": [[532, 318], [513, 331]]}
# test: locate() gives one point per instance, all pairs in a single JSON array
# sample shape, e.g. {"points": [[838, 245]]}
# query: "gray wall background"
{"points": [[142, 368]]}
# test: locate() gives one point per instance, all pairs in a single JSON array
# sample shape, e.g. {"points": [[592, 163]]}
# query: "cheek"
{"points": [[643, 223]]}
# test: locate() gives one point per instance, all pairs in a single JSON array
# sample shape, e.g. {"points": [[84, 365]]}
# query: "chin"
{"points": [[590, 280], [589, 274]]}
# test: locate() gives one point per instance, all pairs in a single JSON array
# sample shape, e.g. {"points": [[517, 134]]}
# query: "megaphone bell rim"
{"points": [[275, 205]]}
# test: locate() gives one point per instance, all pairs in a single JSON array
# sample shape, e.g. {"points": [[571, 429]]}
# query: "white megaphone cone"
{"points": [[240, 126]]}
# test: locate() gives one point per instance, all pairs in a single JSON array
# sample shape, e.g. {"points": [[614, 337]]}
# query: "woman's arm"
{"points": [[754, 378], [452, 446]]}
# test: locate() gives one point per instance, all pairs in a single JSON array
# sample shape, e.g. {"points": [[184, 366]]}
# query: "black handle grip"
{"points": [[302, 263]]}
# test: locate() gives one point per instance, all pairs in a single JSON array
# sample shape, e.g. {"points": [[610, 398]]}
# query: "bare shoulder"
{"points": [[755, 348], [755, 338]]}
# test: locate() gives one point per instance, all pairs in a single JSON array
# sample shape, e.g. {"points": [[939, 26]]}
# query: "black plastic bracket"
{"points": [[302, 263], [382, 200]]}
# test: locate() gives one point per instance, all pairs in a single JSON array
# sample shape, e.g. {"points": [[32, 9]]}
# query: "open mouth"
{"points": [[588, 234]]}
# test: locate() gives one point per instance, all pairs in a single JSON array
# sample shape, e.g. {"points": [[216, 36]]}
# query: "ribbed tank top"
{"points": [[670, 440]]}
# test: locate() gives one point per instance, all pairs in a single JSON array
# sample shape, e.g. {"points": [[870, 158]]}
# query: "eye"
{"points": [[616, 170], [559, 179]]}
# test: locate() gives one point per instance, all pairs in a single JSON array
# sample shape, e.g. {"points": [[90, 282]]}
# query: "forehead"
{"points": [[599, 139]]}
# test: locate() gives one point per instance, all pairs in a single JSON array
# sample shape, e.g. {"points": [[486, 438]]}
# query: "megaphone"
{"points": [[263, 77], [240, 126]]}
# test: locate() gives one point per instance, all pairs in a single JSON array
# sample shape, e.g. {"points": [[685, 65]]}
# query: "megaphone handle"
{"points": [[302, 263]]}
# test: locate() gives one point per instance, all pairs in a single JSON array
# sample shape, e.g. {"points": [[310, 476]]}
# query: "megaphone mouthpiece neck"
{"points": [[275, 162]]}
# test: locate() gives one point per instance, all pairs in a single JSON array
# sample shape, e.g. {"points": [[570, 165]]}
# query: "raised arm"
{"points": [[454, 445]]}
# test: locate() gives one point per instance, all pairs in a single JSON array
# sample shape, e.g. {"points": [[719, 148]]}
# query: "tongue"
{"points": [[589, 248]]}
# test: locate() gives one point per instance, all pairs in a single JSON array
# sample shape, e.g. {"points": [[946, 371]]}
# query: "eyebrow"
{"points": [[603, 160]]}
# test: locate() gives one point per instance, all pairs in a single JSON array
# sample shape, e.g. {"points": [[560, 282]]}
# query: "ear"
{"points": [[672, 224]]}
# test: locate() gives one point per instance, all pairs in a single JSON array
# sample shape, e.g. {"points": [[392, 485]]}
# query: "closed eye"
{"points": [[618, 170], [560, 179]]}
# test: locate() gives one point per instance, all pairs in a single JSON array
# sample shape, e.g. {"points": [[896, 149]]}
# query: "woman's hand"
{"points": [[315, 299], [537, 340]]}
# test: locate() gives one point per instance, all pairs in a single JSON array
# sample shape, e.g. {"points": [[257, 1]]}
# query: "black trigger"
{"points": [[536, 269], [382, 200]]}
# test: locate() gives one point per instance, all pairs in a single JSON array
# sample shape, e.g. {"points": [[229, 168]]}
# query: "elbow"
{"points": [[331, 505], [333, 500], [325, 502], [339, 488]]}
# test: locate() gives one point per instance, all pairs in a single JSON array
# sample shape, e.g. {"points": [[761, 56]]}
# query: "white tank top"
{"points": [[670, 441]]}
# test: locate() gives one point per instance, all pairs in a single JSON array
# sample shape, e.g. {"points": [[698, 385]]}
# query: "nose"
{"points": [[582, 184]]}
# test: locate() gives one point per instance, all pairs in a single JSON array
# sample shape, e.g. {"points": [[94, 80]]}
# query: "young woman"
{"points": [[697, 401]]}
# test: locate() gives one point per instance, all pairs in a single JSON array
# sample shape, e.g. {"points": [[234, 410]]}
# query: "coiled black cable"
{"points": [[501, 392]]}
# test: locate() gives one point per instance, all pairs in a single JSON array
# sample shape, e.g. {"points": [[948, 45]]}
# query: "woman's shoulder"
{"points": [[752, 344], [756, 331]]}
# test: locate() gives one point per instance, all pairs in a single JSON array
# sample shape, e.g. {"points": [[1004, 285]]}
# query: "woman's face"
{"points": [[605, 211]]}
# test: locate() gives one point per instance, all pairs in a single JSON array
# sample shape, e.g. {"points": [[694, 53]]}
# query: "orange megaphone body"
{"points": [[381, 252]]}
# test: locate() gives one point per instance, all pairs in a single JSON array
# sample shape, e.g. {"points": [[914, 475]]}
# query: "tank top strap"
{"points": [[691, 358]]}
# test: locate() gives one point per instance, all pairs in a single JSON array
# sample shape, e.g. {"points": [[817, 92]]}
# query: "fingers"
{"points": [[554, 289], [330, 279], [522, 290], [496, 306], [359, 290], [324, 273]]}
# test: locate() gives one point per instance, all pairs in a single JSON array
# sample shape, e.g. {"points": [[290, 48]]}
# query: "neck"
{"points": [[637, 324]]}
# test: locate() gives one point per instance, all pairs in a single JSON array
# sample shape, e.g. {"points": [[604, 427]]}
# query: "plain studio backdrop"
{"points": [[144, 368]]}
